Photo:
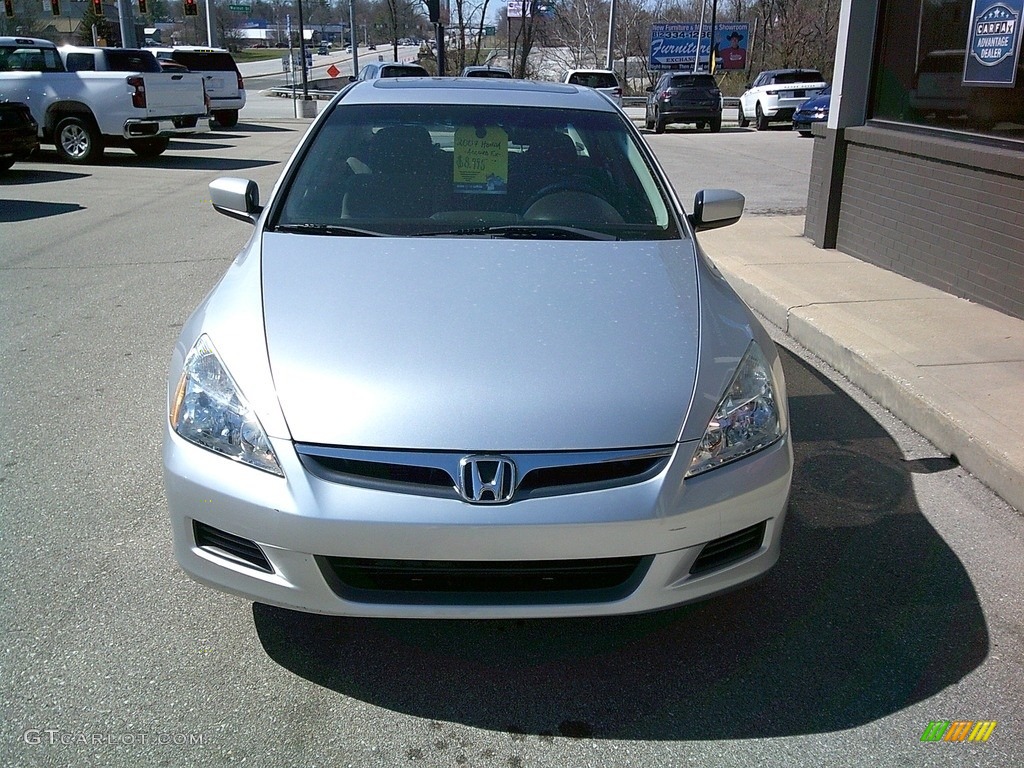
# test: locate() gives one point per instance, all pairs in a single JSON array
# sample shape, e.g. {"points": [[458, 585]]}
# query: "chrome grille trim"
{"points": [[434, 473]]}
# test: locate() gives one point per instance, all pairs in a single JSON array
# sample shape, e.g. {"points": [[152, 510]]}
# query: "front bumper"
{"points": [[301, 526]]}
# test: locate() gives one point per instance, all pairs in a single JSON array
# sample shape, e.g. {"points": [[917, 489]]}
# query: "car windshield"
{"points": [[475, 170], [594, 79], [403, 71], [689, 81], [803, 76], [205, 61]]}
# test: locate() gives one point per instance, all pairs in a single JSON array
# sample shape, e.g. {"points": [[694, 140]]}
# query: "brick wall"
{"points": [[944, 212]]}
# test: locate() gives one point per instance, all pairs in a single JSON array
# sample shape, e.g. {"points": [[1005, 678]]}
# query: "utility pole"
{"points": [[302, 55], [712, 57], [611, 39], [209, 23], [127, 22], [352, 37]]}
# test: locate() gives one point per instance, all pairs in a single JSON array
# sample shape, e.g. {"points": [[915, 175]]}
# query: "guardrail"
{"points": [[640, 101]]}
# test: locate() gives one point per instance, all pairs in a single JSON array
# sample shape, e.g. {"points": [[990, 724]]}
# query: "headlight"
{"points": [[747, 417], [210, 411]]}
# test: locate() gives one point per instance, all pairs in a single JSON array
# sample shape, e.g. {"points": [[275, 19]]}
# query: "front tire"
{"points": [[149, 148], [227, 118], [762, 121], [744, 122], [78, 140]]}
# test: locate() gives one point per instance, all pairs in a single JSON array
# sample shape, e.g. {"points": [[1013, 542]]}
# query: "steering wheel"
{"points": [[571, 184]]}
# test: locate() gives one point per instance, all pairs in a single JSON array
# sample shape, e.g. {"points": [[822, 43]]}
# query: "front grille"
{"points": [[729, 549], [437, 582], [231, 547], [431, 473]]}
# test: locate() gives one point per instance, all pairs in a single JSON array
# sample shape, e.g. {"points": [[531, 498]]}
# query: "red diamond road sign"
{"points": [[333, 71]]}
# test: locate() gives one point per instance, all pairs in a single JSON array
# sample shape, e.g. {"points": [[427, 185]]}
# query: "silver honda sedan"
{"points": [[473, 364]]}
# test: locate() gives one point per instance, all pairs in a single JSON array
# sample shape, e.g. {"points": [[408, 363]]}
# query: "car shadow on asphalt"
{"points": [[27, 210], [867, 612], [21, 175]]}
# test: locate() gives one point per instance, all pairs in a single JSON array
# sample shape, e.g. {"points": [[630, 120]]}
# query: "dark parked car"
{"points": [[19, 133], [682, 97], [813, 110]]}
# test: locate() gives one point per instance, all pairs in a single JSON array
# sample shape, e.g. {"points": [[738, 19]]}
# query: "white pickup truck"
{"points": [[81, 112]]}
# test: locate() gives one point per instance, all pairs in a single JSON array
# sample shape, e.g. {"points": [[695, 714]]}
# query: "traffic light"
{"points": [[142, 7], [9, 7], [434, 10], [191, 9], [97, 7], [55, 7]]}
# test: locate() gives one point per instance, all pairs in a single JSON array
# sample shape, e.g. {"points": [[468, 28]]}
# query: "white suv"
{"points": [[776, 93], [221, 77], [603, 80]]}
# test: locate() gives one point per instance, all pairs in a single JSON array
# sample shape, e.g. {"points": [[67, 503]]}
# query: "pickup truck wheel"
{"points": [[227, 118], [153, 147], [762, 121], [77, 140]]}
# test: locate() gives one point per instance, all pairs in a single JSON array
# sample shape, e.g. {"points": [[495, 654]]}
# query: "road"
{"points": [[897, 601]]}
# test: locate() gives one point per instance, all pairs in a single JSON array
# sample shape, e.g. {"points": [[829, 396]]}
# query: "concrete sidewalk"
{"points": [[951, 369]]}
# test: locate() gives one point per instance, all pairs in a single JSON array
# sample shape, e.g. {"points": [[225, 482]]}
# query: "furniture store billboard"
{"points": [[673, 46]]}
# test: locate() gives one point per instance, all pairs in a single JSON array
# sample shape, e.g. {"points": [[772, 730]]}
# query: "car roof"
{"points": [[18, 40], [476, 90]]}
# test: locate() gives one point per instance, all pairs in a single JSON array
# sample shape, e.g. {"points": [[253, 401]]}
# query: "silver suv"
{"points": [[776, 93]]}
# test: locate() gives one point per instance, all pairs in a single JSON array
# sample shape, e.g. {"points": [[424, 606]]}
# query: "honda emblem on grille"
{"points": [[487, 479]]}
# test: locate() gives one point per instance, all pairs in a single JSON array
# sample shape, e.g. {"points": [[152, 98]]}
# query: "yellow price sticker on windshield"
{"points": [[481, 160]]}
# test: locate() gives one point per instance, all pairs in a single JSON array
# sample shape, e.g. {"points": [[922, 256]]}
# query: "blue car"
{"points": [[812, 111]]}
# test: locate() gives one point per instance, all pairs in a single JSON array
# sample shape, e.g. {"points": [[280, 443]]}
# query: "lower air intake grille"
{"points": [[729, 549], [436, 582], [231, 547]]}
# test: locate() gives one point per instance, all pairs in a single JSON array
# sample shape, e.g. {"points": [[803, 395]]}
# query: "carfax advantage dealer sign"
{"points": [[993, 43]]}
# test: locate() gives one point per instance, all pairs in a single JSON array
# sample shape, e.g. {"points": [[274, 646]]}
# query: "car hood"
{"points": [[817, 102], [481, 344]]}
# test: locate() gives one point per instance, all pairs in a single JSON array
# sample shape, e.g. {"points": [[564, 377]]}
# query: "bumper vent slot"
{"points": [[230, 547], [439, 582], [729, 549]]}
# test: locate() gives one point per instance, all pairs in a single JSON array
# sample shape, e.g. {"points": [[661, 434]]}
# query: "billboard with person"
{"points": [[674, 46]]}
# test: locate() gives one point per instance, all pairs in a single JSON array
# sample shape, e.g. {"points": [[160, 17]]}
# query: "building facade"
{"points": [[920, 168]]}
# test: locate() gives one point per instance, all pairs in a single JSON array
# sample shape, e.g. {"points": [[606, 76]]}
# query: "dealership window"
{"points": [[952, 64]]}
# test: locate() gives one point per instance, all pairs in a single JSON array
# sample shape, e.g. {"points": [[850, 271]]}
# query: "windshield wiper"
{"points": [[326, 229], [529, 231]]}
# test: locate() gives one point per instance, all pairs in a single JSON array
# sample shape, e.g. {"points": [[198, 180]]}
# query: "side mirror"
{"points": [[714, 208], [351, 78], [650, 89], [237, 198]]}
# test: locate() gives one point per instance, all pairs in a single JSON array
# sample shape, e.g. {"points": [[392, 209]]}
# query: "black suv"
{"points": [[682, 97]]}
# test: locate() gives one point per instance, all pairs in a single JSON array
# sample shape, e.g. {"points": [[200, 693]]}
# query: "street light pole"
{"points": [[352, 37], [302, 54], [611, 38], [209, 23]]}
